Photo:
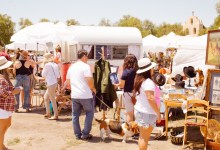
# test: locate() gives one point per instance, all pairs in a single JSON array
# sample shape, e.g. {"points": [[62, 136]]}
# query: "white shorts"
{"points": [[129, 106], [5, 114]]}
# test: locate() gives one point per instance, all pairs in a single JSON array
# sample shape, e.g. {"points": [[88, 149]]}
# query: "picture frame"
{"points": [[114, 78], [213, 86], [213, 48], [114, 69]]}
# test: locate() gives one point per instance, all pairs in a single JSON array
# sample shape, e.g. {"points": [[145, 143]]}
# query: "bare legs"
{"points": [[144, 137], [130, 116], [4, 125]]}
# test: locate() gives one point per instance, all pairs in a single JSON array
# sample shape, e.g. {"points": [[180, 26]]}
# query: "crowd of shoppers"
{"points": [[136, 81]]}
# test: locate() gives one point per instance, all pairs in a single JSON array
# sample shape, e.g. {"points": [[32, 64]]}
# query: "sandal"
{"points": [[53, 118], [47, 116]]}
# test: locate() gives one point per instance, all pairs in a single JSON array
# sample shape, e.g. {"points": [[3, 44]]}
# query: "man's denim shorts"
{"points": [[145, 120]]}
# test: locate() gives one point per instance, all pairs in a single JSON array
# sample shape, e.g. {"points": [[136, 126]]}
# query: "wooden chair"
{"points": [[62, 100], [196, 115], [37, 95]]}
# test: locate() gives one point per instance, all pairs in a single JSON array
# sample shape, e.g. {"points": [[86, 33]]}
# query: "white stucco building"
{"points": [[193, 24]]}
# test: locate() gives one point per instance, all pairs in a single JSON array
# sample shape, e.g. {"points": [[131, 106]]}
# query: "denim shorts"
{"points": [[145, 120]]}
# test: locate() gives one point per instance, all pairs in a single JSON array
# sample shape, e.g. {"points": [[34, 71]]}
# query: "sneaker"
{"points": [[135, 136], [89, 137], [28, 110], [78, 138]]}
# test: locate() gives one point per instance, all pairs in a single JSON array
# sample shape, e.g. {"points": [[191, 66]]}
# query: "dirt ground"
{"points": [[31, 131]]}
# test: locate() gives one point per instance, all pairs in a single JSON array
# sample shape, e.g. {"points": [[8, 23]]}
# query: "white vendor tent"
{"points": [[149, 43], [27, 46], [154, 44], [41, 34], [191, 52]]}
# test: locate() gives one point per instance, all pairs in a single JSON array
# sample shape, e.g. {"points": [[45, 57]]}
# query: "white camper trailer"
{"points": [[117, 42]]}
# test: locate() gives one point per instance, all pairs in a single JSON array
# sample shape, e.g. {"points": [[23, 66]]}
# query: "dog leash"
{"points": [[102, 102], [108, 106]]}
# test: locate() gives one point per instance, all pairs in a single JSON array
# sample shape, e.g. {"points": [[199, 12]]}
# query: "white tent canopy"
{"points": [[43, 33], [191, 52], [107, 35], [27, 46], [154, 44], [196, 42]]}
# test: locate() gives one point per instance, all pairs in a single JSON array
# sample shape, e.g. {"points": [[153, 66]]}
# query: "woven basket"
{"points": [[176, 140], [213, 130]]}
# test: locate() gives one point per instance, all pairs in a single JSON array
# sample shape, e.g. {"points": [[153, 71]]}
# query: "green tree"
{"points": [[44, 20], [129, 21], [104, 22], [148, 28], [72, 22], [163, 29], [203, 31], [166, 28], [218, 7], [216, 23], [6, 29], [24, 23]]}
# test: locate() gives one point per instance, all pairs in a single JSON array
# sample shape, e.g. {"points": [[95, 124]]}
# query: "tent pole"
{"points": [[37, 48]]}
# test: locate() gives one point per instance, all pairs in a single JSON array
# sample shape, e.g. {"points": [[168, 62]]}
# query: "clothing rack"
{"points": [[103, 58], [103, 53]]}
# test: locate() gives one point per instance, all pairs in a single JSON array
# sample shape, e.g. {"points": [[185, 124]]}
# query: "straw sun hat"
{"points": [[145, 64], [4, 63], [48, 57]]}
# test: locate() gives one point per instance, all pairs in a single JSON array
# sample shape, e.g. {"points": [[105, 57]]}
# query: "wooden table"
{"points": [[170, 103]]}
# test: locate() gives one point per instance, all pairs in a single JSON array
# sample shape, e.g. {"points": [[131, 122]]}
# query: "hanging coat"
{"points": [[103, 83]]}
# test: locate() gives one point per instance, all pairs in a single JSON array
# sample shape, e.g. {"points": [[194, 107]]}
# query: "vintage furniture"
{"points": [[174, 100], [196, 115], [62, 101]]}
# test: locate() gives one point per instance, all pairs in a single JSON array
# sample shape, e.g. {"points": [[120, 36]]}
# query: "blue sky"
{"points": [[90, 12]]}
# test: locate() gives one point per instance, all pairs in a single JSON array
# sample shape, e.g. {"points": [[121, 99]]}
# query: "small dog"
{"points": [[126, 130]]}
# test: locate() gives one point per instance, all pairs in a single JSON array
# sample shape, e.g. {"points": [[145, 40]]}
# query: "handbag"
{"points": [[133, 99]]}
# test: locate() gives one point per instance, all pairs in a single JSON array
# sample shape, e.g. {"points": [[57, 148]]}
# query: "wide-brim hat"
{"points": [[180, 84], [189, 71], [4, 63], [159, 79], [145, 64], [48, 57], [177, 78]]}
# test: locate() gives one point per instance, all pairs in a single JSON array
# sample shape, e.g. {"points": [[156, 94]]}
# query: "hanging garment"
{"points": [[105, 89]]}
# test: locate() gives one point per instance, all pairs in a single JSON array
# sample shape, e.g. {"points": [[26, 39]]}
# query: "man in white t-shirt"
{"points": [[80, 78]]}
